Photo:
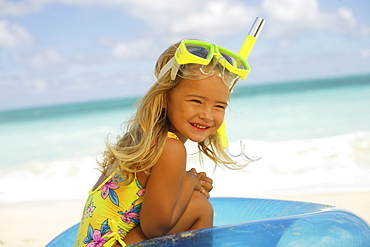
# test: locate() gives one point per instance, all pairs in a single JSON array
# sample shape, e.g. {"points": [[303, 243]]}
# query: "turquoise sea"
{"points": [[313, 136]]}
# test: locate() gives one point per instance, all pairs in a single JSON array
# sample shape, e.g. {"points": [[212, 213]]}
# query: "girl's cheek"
{"points": [[220, 118]]}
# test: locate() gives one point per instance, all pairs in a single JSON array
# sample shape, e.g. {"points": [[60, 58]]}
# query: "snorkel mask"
{"points": [[195, 59]]}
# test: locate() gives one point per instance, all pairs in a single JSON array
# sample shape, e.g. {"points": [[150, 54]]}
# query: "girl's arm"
{"points": [[168, 191]]}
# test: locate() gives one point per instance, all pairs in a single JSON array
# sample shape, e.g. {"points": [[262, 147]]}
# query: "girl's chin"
{"points": [[197, 140], [199, 137]]}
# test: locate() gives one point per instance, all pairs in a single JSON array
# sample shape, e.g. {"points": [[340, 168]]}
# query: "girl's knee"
{"points": [[202, 211], [201, 203]]}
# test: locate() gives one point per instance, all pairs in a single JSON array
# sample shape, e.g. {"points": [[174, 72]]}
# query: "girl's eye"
{"points": [[196, 101], [221, 106]]}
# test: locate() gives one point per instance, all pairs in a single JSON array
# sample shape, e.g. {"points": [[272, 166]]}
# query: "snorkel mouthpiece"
{"points": [[244, 51]]}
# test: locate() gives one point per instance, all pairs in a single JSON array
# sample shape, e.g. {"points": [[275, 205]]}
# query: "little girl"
{"points": [[144, 190]]}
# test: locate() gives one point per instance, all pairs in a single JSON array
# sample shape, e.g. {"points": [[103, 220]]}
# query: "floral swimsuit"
{"points": [[111, 211]]}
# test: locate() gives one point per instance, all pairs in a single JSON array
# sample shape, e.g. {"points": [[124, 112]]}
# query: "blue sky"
{"points": [[60, 51]]}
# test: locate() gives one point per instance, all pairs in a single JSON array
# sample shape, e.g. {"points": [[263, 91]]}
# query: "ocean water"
{"points": [[312, 137]]}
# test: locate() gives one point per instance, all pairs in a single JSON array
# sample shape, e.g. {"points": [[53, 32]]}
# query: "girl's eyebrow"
{"points": [[205, 98]]}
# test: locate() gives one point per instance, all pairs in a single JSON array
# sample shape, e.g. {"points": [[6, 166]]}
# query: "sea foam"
{"points": [[322, 165]]}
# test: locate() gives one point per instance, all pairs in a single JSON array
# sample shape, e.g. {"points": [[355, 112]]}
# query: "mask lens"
{"points": [[234, 61], [198, 51], [239, 64], [228, 58]]}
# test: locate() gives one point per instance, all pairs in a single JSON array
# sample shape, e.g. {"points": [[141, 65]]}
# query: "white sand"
{"points": [[35, 224]]}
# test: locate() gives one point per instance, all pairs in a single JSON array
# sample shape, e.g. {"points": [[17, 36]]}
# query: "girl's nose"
{"points": [[206, 115]]}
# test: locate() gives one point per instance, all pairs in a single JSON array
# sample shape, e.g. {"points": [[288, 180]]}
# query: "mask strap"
{"points": [[170, 65]]}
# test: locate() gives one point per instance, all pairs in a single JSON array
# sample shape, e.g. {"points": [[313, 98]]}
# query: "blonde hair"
{"points": [[143, 142]]}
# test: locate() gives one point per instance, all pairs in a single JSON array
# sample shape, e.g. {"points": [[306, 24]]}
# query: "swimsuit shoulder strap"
{"points": [[172, 135]]}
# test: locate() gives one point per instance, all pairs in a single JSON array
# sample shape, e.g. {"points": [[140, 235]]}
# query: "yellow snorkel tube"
{"points": [[251, 38], [244, 51]]}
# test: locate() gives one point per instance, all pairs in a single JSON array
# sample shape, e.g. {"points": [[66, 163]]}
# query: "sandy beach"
{"points": [[34, 224]]}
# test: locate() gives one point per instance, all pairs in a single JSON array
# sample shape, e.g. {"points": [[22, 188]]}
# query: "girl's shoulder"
{"points": [[173, 146], [172, 158]]}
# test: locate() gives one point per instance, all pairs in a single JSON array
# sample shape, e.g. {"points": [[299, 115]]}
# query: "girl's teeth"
{"points": [[200, 127]]}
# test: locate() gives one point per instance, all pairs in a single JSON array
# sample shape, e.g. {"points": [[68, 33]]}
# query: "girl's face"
{"points": [[196, 108]]}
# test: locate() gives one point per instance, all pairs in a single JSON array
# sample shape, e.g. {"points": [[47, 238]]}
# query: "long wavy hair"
{"points": [[144, 138]]}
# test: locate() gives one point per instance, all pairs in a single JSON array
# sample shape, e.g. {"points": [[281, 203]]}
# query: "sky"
{"points": [[66, 51]]}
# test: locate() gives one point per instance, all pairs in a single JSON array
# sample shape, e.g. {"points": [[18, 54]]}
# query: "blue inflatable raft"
{"points": [[264, 222]]}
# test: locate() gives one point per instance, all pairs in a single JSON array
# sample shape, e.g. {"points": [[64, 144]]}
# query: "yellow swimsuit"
{"points": [[111, 211]]}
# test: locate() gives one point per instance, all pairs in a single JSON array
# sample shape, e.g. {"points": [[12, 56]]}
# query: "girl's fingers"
{"points": [[203, 176], [205, 193], [206, 179], [206, 185], [192, 170]]}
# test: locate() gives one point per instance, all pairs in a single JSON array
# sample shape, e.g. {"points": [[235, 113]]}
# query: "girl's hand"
{"points": [[195, 180], [206, 182]]}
